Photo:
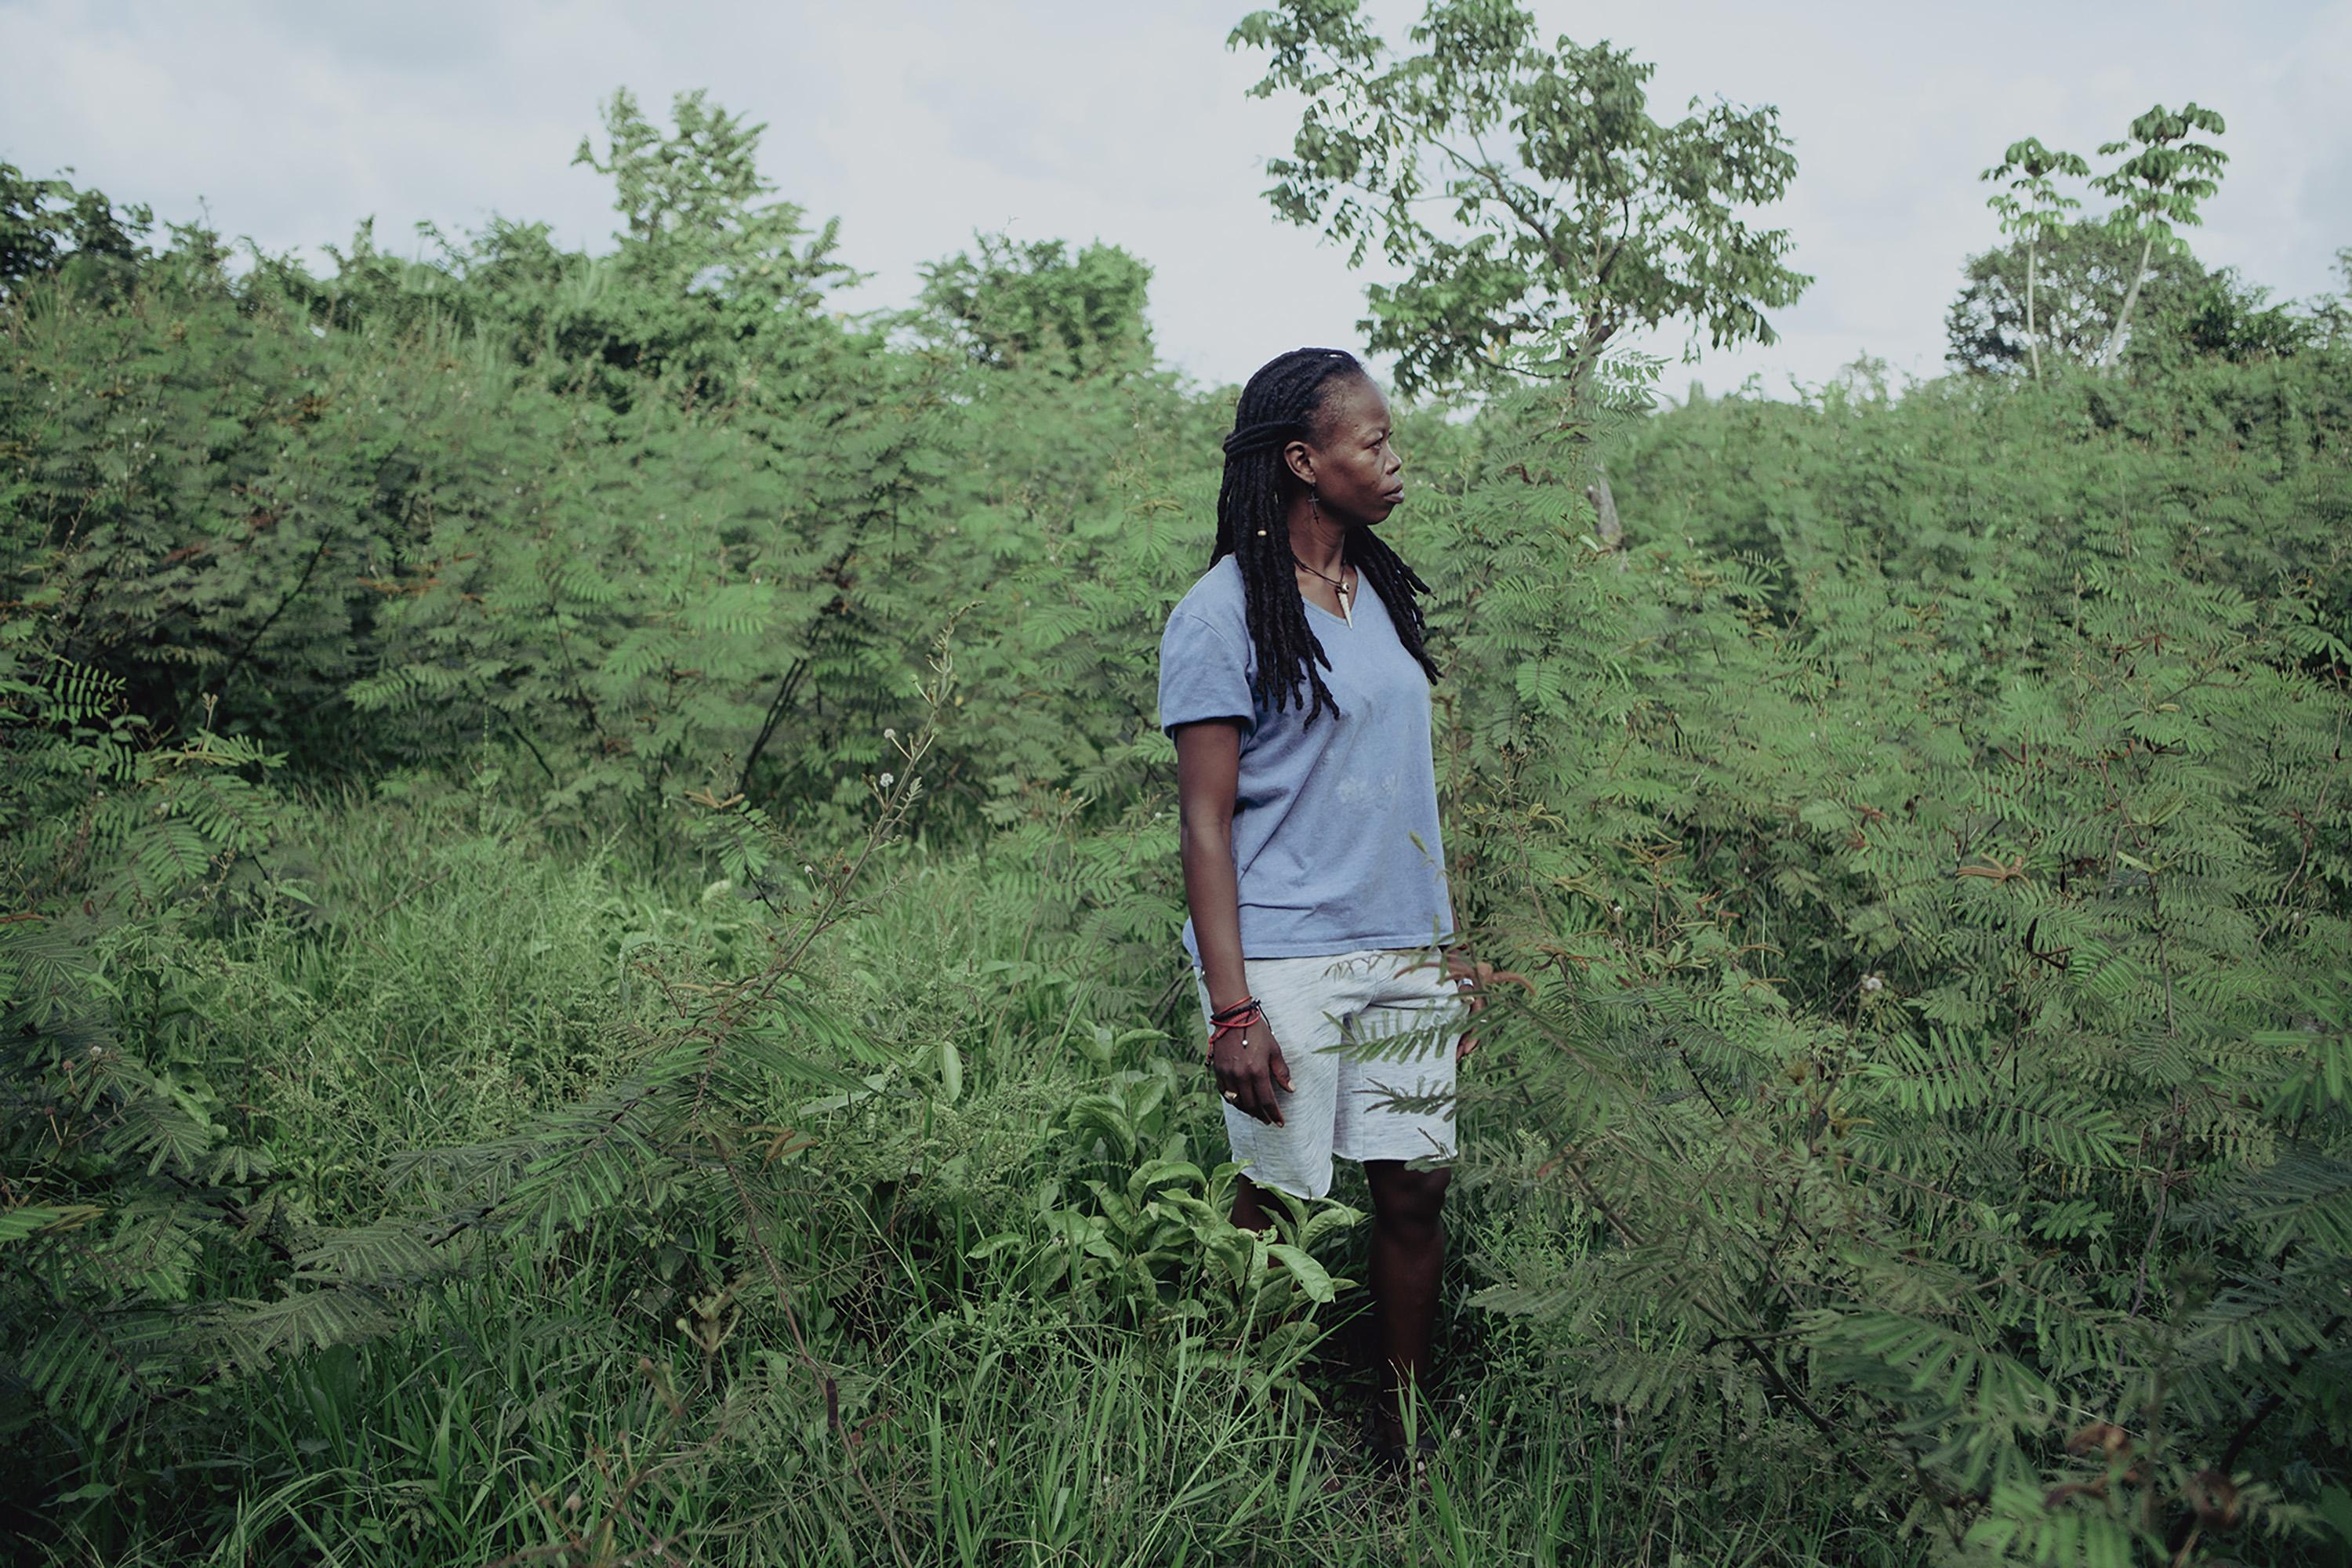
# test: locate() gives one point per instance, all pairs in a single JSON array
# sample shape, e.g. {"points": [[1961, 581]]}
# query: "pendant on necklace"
{"points": [[1338, 587]]}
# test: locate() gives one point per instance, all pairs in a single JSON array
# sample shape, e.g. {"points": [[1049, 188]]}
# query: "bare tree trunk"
{"points": [[2116, 338], [2033, 338], [1612, 532]]}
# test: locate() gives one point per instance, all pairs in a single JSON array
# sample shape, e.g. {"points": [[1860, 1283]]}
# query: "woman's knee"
{"points": [[1404, 1196]]}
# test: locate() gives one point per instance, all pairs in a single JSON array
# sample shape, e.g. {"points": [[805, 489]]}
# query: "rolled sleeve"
{"points": [[1201, 675]]}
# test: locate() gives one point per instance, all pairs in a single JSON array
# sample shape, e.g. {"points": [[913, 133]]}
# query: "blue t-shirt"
{"points": [[1325, 817]]}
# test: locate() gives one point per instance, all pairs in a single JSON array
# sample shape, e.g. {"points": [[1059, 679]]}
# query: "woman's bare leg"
{"points": [[1248, 1213], [1408, 1254]]}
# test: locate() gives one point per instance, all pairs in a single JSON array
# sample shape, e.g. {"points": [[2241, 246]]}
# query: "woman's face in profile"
{"points": [[1356, 470]]}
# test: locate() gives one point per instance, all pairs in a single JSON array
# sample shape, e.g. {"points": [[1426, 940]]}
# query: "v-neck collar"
{"points": [[1330, 616]]}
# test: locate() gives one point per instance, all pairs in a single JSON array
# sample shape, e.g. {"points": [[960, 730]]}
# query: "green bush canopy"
{"points": [[588, 957]]}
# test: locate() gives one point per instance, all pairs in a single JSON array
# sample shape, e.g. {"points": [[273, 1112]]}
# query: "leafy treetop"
{"points": [[1039, 305], [689, 202], [2080, 271], [48, 226], [2031, 204], [2160, 185], [1575, 216]]}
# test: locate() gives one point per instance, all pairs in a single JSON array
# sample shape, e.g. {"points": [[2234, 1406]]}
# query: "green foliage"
{"points": [[2099, 267], [2160, 185], [2032, 205], [297, 482], [712, 285], [1907, 953], [2080, 272], [130, 1197], [2224, 317], [1588, 219], [1150, 1245], [47, 229], [711, 1074], [1034, 304]]}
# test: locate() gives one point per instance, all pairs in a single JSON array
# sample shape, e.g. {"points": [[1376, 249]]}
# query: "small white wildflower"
{"points": [[1872, 984], [890, 734], [889, 779]]}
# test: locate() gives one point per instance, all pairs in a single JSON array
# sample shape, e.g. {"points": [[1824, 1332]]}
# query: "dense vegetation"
{"points": [[588, 952]]}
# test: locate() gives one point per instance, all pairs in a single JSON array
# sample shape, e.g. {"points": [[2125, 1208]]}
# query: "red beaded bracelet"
{"points": [[1233, 1013], [1242, 1015]]}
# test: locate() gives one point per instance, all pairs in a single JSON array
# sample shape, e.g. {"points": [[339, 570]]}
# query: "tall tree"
{"points": [[1571, 215], [689, 201], [2331, 314], [2031, 204], [46, 227], [2160, 185], [1037, 304], [725, 281], [2080, 271]]}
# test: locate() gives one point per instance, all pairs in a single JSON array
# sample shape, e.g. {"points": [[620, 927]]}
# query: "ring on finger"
{"points": [[1232, 1097]]}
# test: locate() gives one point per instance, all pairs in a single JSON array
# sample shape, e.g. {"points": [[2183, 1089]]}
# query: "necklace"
{"points": [[1340, 582]]}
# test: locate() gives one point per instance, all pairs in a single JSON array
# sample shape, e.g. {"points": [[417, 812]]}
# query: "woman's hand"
{"points": [[1472, 977], [1249, 1067]]}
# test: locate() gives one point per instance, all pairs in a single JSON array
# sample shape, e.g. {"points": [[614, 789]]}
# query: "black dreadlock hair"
{"points": [[1284, 403]]}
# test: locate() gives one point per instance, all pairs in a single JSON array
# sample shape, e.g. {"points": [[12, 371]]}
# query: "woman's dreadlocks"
{"points": [[1284, 403]]}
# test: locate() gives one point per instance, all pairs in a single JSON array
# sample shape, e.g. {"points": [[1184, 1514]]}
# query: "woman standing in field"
{"points": [[1313, 870]]}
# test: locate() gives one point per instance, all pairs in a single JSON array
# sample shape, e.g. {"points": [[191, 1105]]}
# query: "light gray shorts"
{"points": [[1356, 1029]]}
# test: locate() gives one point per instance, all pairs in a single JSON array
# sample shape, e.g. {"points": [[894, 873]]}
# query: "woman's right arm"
{"points": [[1248, 1064]]}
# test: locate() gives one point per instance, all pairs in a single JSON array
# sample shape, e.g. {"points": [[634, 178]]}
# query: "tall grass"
{"points": [[641, 1399]]}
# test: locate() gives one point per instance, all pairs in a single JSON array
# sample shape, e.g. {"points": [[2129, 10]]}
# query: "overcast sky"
{"points": [[918, 123]]}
